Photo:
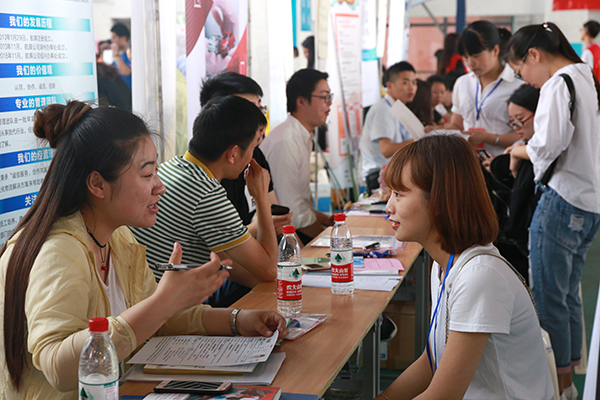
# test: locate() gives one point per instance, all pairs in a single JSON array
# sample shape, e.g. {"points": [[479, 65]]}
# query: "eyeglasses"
{"points": [[327, 98], [518, 124], [264, 109], [517, 74], [547, 29]]}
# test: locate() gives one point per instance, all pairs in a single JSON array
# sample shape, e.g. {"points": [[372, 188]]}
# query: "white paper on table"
{"points": [[377, 283], [264, 374], [360, 241], [408, 119], [205, 350]]}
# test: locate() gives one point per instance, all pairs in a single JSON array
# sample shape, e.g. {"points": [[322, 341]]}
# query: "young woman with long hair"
{"points": [[479, 97], [72, 258], [567, 217], [484, 340]]}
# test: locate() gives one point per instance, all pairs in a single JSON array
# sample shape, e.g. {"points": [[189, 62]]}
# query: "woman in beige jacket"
{"points": [[72, 258]]}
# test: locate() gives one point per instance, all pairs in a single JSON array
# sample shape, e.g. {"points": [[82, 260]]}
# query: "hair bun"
{"points": [[54, 121]]}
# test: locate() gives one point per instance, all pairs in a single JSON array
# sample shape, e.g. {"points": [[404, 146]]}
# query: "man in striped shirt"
{"points": [[195, 210]]}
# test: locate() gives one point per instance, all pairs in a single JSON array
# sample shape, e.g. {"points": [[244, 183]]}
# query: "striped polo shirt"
{"points": [[195, 212]]}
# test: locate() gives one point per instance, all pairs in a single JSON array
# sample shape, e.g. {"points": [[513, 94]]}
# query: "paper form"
{"points": [[408, 119], [205, 350], [360, 241], [377, 283]]}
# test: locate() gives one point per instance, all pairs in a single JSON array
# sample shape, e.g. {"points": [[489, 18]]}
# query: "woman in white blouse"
{"points": [[567, 217], [480, 97]]}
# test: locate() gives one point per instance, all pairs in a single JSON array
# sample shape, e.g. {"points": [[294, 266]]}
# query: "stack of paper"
{"points": [[386, 242], [249, 359]]}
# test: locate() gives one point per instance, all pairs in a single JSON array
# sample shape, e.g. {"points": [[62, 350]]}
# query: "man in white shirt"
{"points": [[382, 134], [288, 147]]}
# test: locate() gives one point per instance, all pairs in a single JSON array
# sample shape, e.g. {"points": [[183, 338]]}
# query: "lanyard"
{"points": [[479, 107], [433, 360]]}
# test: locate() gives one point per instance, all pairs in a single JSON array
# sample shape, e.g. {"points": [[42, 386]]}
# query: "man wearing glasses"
{"points": [[289, 145], [382, 134]]}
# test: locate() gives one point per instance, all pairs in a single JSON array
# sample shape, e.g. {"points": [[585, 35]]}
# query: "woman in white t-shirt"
{"points": [[567, 216], [480, 97], [484, 341]]}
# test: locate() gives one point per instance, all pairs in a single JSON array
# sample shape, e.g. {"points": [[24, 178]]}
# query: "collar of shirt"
{"points": [[188, 156], [390, 99], [297, 126]]}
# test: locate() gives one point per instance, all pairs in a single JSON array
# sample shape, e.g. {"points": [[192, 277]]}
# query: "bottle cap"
{"points": [[288, 229], [98, 324], [339, 217]]}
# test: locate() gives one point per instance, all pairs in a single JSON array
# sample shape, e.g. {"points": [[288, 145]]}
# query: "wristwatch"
{"points": [[233, 320]]}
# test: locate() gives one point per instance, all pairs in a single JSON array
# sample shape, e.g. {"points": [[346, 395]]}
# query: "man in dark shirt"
{"points": [[231, 83]]}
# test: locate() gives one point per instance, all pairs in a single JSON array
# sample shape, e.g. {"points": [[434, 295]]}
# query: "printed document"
{"points": [[205, 350]]}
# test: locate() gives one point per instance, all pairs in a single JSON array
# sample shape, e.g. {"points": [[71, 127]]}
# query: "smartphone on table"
{"points": [[192, 387]]}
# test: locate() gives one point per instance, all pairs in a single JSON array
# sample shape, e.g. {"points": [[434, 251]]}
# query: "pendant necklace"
{"points": [[103, 249]]}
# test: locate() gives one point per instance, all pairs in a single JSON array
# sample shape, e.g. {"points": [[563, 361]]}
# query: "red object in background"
{"points": [[558, 5]]}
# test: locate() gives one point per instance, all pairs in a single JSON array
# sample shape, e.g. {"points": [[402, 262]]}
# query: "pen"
{"points": [[185, 267], [371, 246]]}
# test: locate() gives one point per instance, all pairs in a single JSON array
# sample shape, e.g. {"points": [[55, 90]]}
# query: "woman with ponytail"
{"points": [[479, 98], [565, 153], [72, 258]]}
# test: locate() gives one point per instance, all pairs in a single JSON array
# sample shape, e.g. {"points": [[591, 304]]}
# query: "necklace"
{"points": [[102, 247]]}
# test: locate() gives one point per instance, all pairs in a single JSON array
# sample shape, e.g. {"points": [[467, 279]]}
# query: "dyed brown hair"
{"points": [[446, 170]]}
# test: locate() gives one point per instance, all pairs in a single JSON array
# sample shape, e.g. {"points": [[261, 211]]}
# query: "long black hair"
{"points": [[546, 37], [86, 140]]}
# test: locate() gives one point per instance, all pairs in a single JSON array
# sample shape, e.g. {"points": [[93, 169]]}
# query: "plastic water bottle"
{"points": [[98, 364], [342, 264], [289, 274]]}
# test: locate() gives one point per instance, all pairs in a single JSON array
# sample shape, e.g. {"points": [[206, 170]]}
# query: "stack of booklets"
{"points": [[244, 360]]}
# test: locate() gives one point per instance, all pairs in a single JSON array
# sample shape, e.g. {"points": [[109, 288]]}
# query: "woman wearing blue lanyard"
{"points": [[485, 340], [480, 97]]}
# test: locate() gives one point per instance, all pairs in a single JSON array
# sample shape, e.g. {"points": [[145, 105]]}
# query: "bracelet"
{"points": [[497, 140], [233, 320]]}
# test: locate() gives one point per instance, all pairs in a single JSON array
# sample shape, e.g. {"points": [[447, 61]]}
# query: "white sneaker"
{"points": [[570, 393]]}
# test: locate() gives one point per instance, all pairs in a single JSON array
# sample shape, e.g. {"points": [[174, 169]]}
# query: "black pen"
{"points": [[185, 267], [373, 245]]}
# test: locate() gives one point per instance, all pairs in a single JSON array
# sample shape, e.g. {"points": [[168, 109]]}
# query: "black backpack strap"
{"points": [[571, 87]]}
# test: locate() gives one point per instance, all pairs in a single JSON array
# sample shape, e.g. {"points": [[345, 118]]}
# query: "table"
{"points": [[314, 360]]}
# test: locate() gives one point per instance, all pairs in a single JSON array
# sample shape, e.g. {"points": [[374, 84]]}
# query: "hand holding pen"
{"points": [[180, 291]]}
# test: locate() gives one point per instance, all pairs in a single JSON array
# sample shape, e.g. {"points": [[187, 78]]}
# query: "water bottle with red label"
{"points": [[342, 264], [289, 274]]}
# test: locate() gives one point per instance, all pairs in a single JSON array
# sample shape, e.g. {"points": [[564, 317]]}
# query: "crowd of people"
{"points": [[89, 244]]}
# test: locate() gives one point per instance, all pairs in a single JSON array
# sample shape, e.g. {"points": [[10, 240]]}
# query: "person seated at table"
{"points": [[382, 133], [485, 340], [196, 212], [288, 148], [72, 258], [231, 83]]}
